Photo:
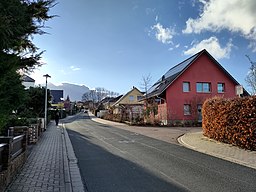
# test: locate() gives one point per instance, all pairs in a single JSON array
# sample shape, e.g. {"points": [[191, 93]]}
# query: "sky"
{"points": [[115, 43]]}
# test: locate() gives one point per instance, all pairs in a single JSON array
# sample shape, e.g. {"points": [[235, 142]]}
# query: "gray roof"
{"points": [[170, 76], [26, 78]]}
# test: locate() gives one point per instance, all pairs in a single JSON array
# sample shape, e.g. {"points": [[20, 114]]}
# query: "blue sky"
{"points": [[114, 43]]}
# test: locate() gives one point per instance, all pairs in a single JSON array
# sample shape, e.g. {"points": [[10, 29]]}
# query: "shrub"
{"points": [[231, 121]]}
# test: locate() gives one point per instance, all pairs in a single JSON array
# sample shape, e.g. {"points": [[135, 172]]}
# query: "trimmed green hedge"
{"points": [[231, 121]]}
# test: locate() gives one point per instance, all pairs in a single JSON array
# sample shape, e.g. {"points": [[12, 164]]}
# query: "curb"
{"points": [[76, 183], [182, 141]]}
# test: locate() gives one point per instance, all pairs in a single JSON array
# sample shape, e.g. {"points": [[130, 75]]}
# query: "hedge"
{"points": [[231, 121]]}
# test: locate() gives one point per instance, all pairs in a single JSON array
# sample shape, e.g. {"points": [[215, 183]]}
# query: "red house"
{"points": [[179, 94]]}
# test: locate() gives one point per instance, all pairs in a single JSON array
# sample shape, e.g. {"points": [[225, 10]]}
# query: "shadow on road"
{"points": [[102, 170]]}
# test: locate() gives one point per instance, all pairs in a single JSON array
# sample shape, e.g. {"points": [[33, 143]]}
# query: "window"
{"points": [[139, 97], [186, 86], [187, 109], [203, 87], [221, 87], [131, 98]]}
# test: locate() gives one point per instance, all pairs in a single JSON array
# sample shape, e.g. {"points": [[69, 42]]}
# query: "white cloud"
{"points": [[212, 45], [73, 68], [162, 34], [236, 16]]}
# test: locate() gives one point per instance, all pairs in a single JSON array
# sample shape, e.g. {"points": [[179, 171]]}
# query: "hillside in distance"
{"points": [[74, 91]]}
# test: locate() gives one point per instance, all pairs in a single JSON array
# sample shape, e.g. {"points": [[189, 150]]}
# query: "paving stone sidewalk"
{"points": [[198, 142], [51, 165]]}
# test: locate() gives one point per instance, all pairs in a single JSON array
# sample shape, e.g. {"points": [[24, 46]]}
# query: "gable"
{"points": [[204, 69], [127, 98]]}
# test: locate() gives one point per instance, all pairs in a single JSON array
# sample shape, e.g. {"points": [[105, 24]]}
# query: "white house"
{"points": [[28, 81]]}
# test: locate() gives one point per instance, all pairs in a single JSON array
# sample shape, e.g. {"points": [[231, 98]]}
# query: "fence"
{"points": [[10, 148], [12, 157], [33, 132], [2, 146], [13, 150]]}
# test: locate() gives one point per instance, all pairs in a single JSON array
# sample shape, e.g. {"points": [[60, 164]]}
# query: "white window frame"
{"points": [[203, 87], [222, 87], [186, 86]]}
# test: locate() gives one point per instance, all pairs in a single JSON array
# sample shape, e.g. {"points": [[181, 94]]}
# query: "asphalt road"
{"points": [[116, 160]]}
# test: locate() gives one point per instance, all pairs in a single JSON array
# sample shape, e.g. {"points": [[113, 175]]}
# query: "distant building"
{"points": [[67, 104], [129, 106], [28, 81], [57, 96]]}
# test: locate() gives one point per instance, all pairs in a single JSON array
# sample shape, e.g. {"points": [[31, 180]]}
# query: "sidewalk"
{"points": [[193, 139], [51, 165], [200, 143]]}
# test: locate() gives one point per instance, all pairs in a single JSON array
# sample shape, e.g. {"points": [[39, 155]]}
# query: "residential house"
{"points": [[129, 106], [28, 81], [105, 106], [57, 99], [107, 102], [181, 91]]}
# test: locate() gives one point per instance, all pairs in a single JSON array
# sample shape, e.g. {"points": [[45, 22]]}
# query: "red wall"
{"points": [[202, 70]]}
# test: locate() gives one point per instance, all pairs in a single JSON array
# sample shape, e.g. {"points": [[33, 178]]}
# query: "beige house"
{"points": [[129, 106]]}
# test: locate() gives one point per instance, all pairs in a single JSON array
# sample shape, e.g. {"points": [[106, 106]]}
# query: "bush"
{"points": [[231, 121]]}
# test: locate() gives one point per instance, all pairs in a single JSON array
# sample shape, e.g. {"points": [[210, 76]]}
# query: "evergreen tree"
{"points": [[19, 21]]}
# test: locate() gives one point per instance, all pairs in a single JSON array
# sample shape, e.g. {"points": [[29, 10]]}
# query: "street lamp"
{"points": [[45, 103]]}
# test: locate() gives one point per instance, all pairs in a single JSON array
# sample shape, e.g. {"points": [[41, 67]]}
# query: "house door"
{"points": [[199, 112]]}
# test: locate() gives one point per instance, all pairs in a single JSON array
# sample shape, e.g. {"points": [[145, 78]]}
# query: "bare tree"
{"points": [[101, 93], [146, 83], [251, 76], [98, 94], [89, 96]]}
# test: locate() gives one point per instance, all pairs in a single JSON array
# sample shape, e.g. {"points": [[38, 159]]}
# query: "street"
{"points": [[112, 159]]}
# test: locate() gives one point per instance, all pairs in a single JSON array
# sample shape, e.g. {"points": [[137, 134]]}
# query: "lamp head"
{"points": [[47, 76]]}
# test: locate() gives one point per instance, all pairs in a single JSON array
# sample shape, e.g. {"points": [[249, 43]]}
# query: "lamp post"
{"points": [[45, 103]]}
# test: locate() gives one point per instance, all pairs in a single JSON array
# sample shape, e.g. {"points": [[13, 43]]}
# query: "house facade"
{"points": [[181, 91], [129, 106]]}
